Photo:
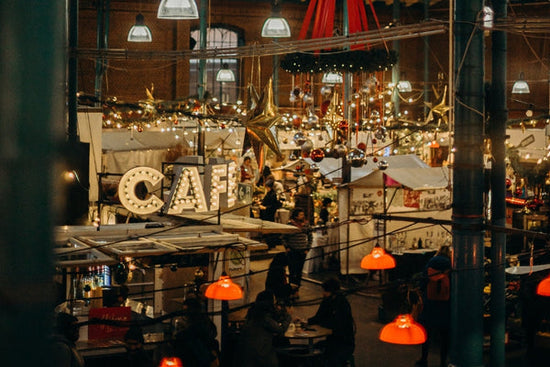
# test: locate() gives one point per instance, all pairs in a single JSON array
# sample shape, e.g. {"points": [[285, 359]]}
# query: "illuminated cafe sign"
{"points": [[217, 188]]}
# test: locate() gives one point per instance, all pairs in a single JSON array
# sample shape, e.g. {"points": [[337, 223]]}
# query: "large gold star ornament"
{"points": [[440, 109], [260, 126]]}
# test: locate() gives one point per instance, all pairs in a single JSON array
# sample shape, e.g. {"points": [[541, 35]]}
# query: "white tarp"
{"points": [[331, 168], [419, 178]]}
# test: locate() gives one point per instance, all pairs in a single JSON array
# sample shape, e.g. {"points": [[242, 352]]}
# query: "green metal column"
{"points": [[498, 115], [102, 35], [426, 39], [32, 104], [346, 167], [467, 276], [72, 69]]}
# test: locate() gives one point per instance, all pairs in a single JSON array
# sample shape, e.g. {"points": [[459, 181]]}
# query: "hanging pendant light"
{"points": [[403, 330], [520, 86], [332, 78], [275, 26], [543, 289], [378, 259], [178, 9], [171, 362], [225, 74], [224, 289], [139, 31]]}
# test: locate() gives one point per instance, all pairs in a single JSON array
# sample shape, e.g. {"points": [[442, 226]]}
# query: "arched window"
{"points": [[217, 37]]}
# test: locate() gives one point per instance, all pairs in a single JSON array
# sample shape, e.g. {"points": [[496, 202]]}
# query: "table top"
{"points": [[310, 332]]}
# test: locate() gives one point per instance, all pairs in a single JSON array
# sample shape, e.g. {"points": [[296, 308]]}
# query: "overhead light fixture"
{"points": [[403, 330], [332, 78], [224, 289], [404, 86], [139, 31], [520, 86], [178, 9], [488, 16], [543, 288], [378, 259], [275, 26], [225, 75]]}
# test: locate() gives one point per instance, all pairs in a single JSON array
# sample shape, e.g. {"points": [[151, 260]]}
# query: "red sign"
{"points": [[102, 331]]}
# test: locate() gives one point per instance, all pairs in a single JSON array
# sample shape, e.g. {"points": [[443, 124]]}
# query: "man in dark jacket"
{"points": [[335, 313], [297, 245]]}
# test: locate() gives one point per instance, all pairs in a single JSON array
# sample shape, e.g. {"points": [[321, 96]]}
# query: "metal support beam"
{"points": [[497, 131], [32, 94], [468, 248]]}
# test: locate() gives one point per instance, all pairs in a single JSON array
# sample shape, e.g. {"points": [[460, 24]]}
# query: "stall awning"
{"points": [[331, 168], [428, 178]]}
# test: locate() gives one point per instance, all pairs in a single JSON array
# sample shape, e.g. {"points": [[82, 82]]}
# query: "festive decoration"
{"points": [[171, 362], [333, 117], [382, 165], [342, 61], [356, 157], [259, 123], [440, 109], [403, 330], [317, 155], [224, 289]]}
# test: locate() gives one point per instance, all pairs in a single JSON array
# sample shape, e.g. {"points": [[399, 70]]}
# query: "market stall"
{"points": [[416, 191]]}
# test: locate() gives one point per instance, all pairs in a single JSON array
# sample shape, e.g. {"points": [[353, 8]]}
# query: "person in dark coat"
{"points": [[136, 355], [324, 215], [277, 280], [263, 323], [195, 344], [436, 314], [335, 313], [270, 203], [66, 334], [297, 245]]}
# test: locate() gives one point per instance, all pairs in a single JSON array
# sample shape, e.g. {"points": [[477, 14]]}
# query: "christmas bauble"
{"points": [[317, 155]]}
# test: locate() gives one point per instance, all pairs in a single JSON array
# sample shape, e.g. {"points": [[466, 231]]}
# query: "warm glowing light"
{"points": [[403, 330], [171, 362], [378, 259], [543, 289], [224, 289]]}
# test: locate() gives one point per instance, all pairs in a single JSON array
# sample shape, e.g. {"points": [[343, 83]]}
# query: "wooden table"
{"points": [[310, 333]]}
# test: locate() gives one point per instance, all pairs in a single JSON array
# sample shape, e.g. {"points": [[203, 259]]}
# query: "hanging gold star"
{"points": [[440, 109], [260, 123], [333, 117]]}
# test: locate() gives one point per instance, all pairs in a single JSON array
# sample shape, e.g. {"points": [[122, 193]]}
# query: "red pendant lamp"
{"points": [[170, 362], [378, 259], [543, 289], [224, 289], [403, 330]]}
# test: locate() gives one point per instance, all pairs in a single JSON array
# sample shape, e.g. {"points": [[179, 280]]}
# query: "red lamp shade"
{"points": [[378, 260], [403, 330], [543, 289], [170, 362], [224, 289]]}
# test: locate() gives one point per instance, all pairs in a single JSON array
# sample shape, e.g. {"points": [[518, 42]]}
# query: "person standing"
{"points": [[436, 312], [262, 324], [66, 334], [335, 313], [270, 203], [297, 245], [277, 280], [247, 171]]}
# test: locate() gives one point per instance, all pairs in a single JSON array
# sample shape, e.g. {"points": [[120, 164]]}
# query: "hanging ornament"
{"points": [[300, 138], [317, 155], [380, 132], [326, 91], [292, 98], [382, 165], [297, 122], [333, 117], [440, 109], [308, 98], [313, 119], [285, 140], [292, 157], [362, 146], [307, 147], [356, 157], [260, 126], [340, 151]]}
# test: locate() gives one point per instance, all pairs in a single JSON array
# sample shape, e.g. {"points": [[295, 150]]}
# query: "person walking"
{"points": [[277, 279], [436, 312], [297, 245], [335, 313]]}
